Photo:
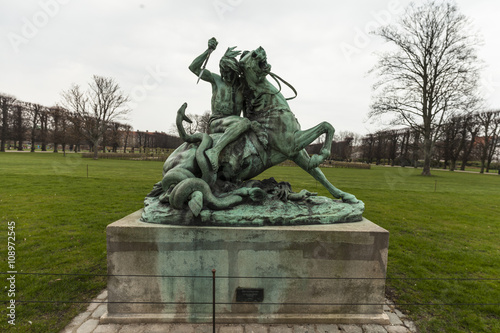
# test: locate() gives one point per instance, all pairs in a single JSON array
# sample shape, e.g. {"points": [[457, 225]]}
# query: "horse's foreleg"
{"points": [[303, 160], [302, 139]]}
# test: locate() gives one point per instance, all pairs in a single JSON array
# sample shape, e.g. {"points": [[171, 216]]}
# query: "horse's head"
{"points": [[254, 66]]}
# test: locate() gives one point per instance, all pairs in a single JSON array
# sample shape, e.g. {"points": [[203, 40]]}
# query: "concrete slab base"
{"points": [[348, 319], [290, 274]]}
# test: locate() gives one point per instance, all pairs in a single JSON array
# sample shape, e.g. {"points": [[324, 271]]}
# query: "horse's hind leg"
{"points": [[302, 139], [303, 160]]}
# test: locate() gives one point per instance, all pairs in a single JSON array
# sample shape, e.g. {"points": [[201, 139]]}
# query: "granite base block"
{"points": [[307, 274]]}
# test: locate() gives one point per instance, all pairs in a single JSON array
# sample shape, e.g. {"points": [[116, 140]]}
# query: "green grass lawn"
{"points": [[442, 227], [61, 216], [444, 234]]}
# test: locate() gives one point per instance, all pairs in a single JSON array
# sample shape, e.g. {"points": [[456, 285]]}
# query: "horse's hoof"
{"points": [[349, 198], [315, 161]]}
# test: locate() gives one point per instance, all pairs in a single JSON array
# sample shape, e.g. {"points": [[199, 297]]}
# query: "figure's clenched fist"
{"points": [[212, 43]]}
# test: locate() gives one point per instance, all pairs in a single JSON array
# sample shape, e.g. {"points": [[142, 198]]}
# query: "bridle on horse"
{"points": [[278, 79]]}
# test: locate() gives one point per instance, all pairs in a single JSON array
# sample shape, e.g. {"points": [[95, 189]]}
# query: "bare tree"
{"points": [[44, 128], [494, 141], [204, 122], [405, 147], [60, 127], [367, 147], [472, 127], [19, 124], [431, 75], [199, 124], [6, 102], [454, 140], [127, 129], [35, 110], [100, 105], [56, 114], [393, 141], [490, 123], [141, 138], [75, 132], [114, 135]]}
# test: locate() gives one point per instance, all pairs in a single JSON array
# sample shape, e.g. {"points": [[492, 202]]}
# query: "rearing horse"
{"points": [[268, 107], [187, 177]]}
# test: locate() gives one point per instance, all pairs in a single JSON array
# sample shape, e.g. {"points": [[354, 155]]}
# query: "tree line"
{"points": [[86, 118], [462, 139], [32, 126]]}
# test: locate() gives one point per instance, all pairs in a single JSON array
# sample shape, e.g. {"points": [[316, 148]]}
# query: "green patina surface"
{"points": [[251, 129], [178, 262], [273, 212]]}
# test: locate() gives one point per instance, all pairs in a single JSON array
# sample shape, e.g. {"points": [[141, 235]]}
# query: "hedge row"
{"points": [[129, 156], [334, 164], [348, 165]]}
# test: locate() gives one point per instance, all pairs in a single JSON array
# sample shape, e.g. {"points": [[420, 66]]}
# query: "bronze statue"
{"points": [[214, 171]]}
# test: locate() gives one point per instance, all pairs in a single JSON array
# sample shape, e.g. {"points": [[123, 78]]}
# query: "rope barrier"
{"points": [[251, 277], [260, 303]]}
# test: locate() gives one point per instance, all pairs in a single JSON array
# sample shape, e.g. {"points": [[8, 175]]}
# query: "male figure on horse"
{"points": [[227, 100]]}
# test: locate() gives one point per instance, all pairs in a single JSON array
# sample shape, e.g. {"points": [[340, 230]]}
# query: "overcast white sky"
{"points": [[321, 47]]}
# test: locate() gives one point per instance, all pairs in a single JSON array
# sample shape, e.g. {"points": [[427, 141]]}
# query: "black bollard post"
{"points": [[213, 299]]}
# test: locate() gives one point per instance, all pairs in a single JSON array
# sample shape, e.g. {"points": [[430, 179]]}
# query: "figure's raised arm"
{"points": [[198, 64]]}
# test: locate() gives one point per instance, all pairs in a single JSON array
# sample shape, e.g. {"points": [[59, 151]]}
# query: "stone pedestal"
{"points": [[306, 274]]}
